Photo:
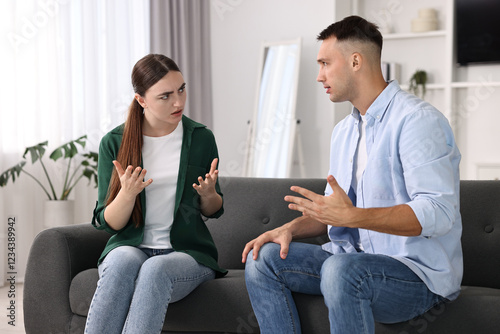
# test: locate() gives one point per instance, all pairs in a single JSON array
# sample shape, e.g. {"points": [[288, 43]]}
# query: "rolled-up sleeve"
{"points": [[107, 153], [429, 157]]}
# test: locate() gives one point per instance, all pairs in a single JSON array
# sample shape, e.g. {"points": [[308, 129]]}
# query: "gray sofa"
{"points": [[61, 274]]}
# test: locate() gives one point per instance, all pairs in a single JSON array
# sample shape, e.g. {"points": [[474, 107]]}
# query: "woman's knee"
{"points": [[123, 260]]}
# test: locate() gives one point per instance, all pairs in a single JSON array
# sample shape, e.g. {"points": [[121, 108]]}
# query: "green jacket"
{"points": [[189, 234]]}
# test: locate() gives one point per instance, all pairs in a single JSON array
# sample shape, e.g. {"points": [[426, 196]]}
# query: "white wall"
{"points": [[237, 30], [239, 26], [477, 120]]}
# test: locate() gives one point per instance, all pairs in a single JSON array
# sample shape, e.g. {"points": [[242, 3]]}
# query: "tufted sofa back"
{"points": [[253, 206], [256, 205], [480, 209]]}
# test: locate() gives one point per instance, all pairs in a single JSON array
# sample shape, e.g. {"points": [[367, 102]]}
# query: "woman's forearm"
{"points": [[118, 212], [210, 204]]}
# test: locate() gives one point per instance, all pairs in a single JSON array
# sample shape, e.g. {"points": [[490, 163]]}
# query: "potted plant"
{"points": [[417, 83], [86, 166]]}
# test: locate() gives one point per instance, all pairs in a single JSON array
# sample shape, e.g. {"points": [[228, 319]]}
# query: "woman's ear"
{"points": [[141, 100]]}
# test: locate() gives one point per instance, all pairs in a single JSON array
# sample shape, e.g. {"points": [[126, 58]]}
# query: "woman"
{"points": [[160, 249]]}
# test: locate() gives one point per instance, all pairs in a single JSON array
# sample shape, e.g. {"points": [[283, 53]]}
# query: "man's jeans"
{"points": [[135, 287], [358, 288]]}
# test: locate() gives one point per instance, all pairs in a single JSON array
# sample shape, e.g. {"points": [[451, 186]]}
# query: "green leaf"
{"points": [[56, 154], [36, 152], [90, 174], [81, 141], [69, 149], [92, 156], [13, 172]]}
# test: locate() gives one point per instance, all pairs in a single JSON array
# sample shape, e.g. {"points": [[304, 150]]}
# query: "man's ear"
{"points": [[356, 61], [141, 100]]}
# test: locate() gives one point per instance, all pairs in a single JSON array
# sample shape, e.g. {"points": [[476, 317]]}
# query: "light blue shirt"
{"points": [[412, 159]]}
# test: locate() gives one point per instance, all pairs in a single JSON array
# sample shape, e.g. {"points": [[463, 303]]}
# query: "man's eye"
{"points": [[164, 97], [182, 90]]}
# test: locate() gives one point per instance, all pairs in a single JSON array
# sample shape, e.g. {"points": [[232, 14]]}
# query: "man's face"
{"points": [[334, 71]]}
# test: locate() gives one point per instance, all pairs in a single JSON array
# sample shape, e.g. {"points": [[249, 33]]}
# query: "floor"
{"points": [[11, 298]]}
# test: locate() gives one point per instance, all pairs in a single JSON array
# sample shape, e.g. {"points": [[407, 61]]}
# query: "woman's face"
{"points": [[163, 104]]}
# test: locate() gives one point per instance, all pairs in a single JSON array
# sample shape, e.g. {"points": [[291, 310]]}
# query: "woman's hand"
{"points": [[131, 179], [206, 188], [118, 212], [210, 200]]}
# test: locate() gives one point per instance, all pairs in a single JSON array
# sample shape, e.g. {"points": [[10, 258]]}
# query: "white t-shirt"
{"points": [[161, 158]]}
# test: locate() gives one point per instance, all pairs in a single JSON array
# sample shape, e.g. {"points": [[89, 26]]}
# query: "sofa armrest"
{"points": [[56, 256]]}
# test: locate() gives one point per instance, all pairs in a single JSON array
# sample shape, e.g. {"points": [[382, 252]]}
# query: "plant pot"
{"points": [[57, 213]]}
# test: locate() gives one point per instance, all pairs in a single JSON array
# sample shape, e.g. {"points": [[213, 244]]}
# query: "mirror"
{"points": [[272, 132]]}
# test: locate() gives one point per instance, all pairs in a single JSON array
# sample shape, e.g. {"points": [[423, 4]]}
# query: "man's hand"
{"points": [[280, 236], [335, 209]]}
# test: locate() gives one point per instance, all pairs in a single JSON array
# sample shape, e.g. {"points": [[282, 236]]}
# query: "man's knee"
{"points": [[339, 274], [266, 256]]}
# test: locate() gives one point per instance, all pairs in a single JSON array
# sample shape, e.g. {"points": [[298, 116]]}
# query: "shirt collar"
{"points": [[378, 108]]}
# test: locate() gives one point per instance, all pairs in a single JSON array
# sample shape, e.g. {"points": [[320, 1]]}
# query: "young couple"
{"points": [[390, 209]]}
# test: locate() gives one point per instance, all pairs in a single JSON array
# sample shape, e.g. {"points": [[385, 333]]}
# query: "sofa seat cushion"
{"points": [[226, 300], [220, 305], [472, 312], [82, 290]]}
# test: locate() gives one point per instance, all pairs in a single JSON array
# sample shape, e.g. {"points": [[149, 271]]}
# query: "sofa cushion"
{"points": [[220, 305], [82, 290], [467, 314], [225, 299], [481, 232]]}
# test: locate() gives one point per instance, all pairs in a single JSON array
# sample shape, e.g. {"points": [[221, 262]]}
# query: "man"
{"points": [[391, 205]]}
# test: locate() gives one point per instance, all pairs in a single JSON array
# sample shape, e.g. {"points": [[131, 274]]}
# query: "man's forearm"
{"points": [[305, 227], [398, 220]]}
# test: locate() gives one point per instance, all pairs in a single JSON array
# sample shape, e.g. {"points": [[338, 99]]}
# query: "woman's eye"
{"points": [[182, 90], [165, 97]]}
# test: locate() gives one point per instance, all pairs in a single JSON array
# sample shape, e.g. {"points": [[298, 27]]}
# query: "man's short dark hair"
{"points": [[353, 28]]}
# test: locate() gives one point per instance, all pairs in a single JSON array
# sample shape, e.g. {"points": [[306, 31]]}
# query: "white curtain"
{"points": [[64, 72]]}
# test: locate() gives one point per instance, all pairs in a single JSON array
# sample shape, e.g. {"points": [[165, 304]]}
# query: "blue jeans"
{"points": [[358, 288], [135, 287]]}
